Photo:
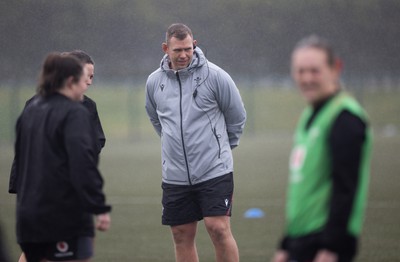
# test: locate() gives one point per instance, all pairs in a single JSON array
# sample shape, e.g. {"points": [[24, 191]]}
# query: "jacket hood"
{"points": [[198, 60]]}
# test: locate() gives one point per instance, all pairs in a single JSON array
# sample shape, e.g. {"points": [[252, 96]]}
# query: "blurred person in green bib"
{"points": [[329, 163]]}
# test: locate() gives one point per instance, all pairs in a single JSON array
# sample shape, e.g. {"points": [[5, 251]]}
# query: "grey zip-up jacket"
{"points": [[199, 115]]}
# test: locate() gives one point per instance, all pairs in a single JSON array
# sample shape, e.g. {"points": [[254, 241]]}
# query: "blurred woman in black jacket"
{"points": [[58, 185]]}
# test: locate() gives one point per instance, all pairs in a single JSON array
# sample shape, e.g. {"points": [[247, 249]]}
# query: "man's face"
{"points": [[314, 77], [180, 52]]}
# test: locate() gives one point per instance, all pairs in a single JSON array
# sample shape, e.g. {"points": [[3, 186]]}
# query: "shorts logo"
{"points": [[62, 246], [226, 202]]}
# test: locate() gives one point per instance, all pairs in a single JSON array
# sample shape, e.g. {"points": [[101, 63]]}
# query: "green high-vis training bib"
{"points": [[310, 182]]}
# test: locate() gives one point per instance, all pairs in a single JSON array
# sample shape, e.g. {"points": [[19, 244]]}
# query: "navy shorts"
{"points": [[187, 204], [71, 249]]}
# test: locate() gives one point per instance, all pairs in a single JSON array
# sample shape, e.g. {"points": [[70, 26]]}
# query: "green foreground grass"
{"points": [[130, 165]]}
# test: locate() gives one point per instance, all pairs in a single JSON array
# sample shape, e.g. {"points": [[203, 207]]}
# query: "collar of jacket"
{"points": [[198, 61]]}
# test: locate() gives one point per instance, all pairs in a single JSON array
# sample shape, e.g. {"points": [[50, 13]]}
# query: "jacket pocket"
{"points": [[217, 137]]}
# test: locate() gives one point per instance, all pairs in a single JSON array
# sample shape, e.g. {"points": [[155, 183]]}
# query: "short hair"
{"points": [[81, 56], [179, 31], [56, 69], [315, 41]]}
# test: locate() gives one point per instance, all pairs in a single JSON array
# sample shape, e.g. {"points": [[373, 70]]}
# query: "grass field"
{"points": [[130, 164]]}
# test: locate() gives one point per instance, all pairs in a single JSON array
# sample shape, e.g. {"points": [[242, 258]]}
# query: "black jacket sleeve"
{"points": [[345, 142], [12, 186], [82, 158]]}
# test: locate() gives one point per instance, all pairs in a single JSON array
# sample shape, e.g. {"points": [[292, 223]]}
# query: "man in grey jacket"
{"points": [[196, 109]]}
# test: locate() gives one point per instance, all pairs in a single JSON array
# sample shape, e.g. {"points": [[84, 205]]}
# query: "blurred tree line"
{"points": [[248, 38]]}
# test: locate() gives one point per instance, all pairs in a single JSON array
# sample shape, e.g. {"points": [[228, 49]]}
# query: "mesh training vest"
{"points": [[310, 181]]}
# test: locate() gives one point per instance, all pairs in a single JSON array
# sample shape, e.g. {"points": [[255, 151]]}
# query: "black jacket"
{"points": [[90, 105], [55, 174]]}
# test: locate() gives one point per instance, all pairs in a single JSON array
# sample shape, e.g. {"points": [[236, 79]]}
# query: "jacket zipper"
{"points": [[183, 141]]}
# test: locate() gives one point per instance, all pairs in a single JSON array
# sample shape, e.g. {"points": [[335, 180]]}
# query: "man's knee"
{"points": [[218, 228], [184, 234]]}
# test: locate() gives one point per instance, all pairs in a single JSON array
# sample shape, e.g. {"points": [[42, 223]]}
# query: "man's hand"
{"points": [[280, 256], [326, 256], [103, 222]]}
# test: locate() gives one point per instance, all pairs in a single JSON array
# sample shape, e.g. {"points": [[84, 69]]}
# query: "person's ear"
{"points": [[164, 47], [194, 44], [69, 82]]}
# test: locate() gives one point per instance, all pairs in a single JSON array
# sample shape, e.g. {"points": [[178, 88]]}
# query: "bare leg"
{"points": [[185, 246], [219, 229]]}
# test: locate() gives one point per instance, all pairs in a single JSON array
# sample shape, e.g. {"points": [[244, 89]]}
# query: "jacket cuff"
{"points": [[100, 210], [233, 142], [338, 241], [284, 244]]}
